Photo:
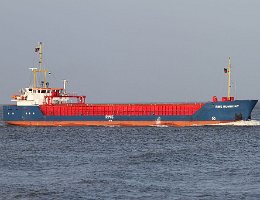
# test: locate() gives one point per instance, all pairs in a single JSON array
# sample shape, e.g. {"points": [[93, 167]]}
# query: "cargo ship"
{"points": [[42, 105]]}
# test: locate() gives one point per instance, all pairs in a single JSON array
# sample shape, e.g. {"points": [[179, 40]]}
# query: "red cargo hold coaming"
{"points": [[120, 109]]}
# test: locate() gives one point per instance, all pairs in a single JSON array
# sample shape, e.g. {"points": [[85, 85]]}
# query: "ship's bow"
{"points": [[250, 107], [225, 111]]}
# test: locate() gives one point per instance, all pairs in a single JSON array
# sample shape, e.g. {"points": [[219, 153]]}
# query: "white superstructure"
{"points": [[39, 96]]}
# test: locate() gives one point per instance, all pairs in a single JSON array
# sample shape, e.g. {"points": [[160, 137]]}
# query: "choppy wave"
{"points": [[241, 123]]}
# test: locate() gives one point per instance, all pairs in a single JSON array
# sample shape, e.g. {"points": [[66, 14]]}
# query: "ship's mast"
{"points": [[229, 77], [64, 85], [35, 70]]}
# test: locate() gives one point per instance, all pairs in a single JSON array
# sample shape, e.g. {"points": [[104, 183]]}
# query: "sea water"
{"points": [[211, 162]]}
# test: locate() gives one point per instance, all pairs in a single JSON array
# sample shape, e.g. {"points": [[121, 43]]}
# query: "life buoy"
{"points": [[14, 97]]}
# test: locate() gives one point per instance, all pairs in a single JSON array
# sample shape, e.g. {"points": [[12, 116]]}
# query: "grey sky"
{"points": [[133, 50]]}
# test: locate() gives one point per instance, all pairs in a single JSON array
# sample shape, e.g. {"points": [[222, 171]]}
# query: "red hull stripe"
{"points": [[113, 123]]}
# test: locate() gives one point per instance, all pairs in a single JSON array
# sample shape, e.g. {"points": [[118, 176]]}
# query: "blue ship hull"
{"points": [[209, 113]]}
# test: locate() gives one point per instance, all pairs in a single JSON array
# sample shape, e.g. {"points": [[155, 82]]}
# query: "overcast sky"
{"points": [[133, 50]]}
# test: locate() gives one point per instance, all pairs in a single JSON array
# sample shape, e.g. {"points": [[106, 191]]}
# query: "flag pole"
{"points": [[40, 62], [229, 77], [40, 54]]}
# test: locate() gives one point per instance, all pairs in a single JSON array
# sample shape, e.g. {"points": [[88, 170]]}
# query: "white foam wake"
{"points": [[241, 123]]}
